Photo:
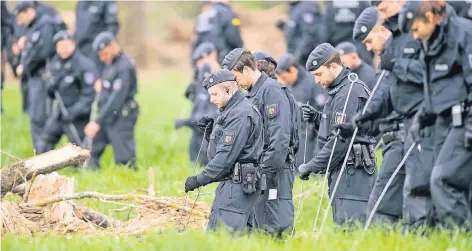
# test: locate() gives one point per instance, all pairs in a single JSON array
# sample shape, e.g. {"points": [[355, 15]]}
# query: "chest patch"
{"points": [[272, 111], [441, 67], [408, 50], [228, 138]]}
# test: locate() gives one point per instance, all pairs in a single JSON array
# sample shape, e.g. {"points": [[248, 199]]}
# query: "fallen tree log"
{"points": [[22, 171], [107, 197], [96, 218]]}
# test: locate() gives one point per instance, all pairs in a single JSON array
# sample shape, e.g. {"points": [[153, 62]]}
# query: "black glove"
{"points": [[51, 86], [304, 172], [370, 114], [190, 91], [206, 125], [309, 113], [346, 130], [191, 184], [280, 24], [421, 120], [387, 61]]}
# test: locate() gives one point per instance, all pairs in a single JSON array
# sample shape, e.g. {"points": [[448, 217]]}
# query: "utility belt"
{"points": [[129, 107], [392, 131], [363, 156], [250, 176]]}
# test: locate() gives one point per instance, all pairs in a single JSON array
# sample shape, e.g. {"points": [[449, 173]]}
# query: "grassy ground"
{"points": [[161, 101]]}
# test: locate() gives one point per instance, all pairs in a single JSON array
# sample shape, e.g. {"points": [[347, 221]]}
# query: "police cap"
{"points": [[408, 14], [319, 56], [203, 50], [232, 58], [364, 23], [346, 48], [217, 77], [102, 39], [260, 55], [23, 5], [62, 35], [284, 62]]}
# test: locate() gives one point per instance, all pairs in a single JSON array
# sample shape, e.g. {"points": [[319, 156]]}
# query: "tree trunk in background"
{"points": [[133, 29]]}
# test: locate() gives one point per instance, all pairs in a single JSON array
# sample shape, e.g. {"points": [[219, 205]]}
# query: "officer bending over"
{"points": [[36, 48], [234, 150], [447, 67], [353, 191], [117, 108], [70, 78], [281, 117]]}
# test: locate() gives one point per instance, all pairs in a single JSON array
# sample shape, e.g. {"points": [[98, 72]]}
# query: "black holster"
{"points": [[250, 176], [363, 156]]}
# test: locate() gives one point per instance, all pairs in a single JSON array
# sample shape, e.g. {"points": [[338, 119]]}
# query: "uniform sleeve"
{"points": [[83, 105], [232, 32], [467, 62], [232, 141], [111, 17], [121, 87], [277, 114], [41, 48], [320, 161], [409, 70], [313, 33]]}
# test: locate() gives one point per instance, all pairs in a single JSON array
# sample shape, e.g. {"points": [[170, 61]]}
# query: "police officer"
{"points": [[117, 108], [274, 209], [206, 62], [266, 63], [352, 194], [70, 78], [234, 151], [377, 37], [446, 60], [339, 22], [92, 18], [36, 48], [304, 88], [350, 58], [400, 90], [304, 30], [219, 25], [19, 31]]}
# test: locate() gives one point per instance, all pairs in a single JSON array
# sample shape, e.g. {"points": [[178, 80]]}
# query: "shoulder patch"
{"points": [[228, 138], [117, 84], [89, 78], [272, 111], [35, 36], [308, 18], [112, 8], [235, 21], [339, 118]]}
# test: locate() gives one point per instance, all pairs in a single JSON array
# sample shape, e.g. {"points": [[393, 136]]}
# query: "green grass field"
{"points": [[161, 101]]}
